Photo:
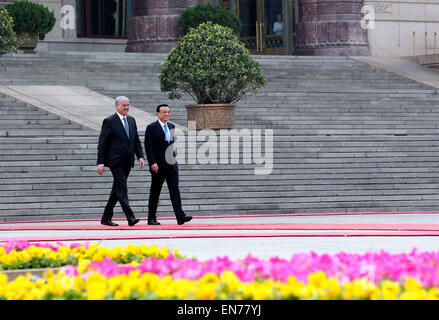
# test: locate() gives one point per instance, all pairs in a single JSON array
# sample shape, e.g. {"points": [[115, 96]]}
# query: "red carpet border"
{"points": [[263, 230]]}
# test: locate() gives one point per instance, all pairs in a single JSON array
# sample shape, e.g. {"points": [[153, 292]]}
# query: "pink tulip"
{"points": [[375, 266]]}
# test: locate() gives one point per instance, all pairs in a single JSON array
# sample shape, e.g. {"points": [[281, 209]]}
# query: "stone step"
{"points": [[284, 152], [96, 213], [390, 164], [373, 156], [299, 207], [249, 191], [359, 176], [244, 180], [12, 103], [231, 204], [16, 120], [99, 198], [46, 133], [150, 76], [26, 115], [352, 138]]}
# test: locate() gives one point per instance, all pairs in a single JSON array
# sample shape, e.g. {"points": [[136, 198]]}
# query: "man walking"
{"points": [[162, 165], [118, 143]]}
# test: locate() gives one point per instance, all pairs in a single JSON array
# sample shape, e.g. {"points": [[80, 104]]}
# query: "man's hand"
{"points": [[142, 163], [155, 167], [101, 169]]}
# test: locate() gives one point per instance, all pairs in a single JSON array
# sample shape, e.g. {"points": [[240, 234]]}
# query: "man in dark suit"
{"points": [[118, 143], [159, 141]]}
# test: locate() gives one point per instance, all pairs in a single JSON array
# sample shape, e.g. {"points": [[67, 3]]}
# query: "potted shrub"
{"points": [[8, 38], [32, 21], [192, 17], [211, 65]]}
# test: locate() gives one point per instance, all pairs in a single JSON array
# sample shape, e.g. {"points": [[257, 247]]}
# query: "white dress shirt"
{"points": [[121, 119], [163, 125]]}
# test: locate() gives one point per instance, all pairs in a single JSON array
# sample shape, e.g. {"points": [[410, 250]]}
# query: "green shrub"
{"points": [[192, 17], [31, 17], [211, 65], [8, 38]]}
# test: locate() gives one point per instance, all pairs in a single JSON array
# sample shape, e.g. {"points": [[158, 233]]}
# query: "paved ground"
{"points": [[262, 236]]}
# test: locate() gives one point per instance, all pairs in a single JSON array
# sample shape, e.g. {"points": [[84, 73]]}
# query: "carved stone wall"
{"points": [[154, 24], [331, 27], [395, 22]]}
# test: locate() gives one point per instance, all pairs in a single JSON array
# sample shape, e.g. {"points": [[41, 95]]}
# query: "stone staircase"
{"points": [[346, 137]]}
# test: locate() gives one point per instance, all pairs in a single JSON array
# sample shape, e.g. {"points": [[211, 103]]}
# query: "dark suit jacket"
{"points": [[158, 150], [114, 143]]}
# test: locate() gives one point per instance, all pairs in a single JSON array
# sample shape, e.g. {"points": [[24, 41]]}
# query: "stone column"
{"points": [[153, 26], [331, 27]]}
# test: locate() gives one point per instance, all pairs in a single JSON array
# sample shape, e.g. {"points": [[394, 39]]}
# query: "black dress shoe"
{"points": [[153, 223], [184, 219], [133, 222], [109, 223]]}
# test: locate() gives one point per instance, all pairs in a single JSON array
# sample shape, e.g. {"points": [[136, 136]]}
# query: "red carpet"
{"points": [[73, 232], [231, 226]]}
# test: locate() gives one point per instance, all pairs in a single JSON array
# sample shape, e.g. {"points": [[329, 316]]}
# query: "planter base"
{"points": [[27, 42], [212, 116], [37, 272]]}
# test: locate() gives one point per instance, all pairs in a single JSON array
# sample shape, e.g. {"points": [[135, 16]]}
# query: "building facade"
{"points": [[290, 27]]}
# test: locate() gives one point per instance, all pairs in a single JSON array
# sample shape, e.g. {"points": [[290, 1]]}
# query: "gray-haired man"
{"points": [[118, 143]]}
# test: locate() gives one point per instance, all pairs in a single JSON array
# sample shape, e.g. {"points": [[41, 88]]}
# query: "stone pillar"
{"points": [[153, 26], [332, 28]]}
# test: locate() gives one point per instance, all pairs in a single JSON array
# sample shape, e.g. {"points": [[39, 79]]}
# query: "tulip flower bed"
{"points": [[23, 255], [380, 275]]}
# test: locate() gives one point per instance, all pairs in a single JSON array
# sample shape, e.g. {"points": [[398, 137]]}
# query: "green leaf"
{"points": [[211, 65], [8, 38], [31, 17]]}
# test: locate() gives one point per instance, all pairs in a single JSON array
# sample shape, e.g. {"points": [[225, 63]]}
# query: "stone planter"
{"points": [[212, 116], [37, 272], [27, 41]]}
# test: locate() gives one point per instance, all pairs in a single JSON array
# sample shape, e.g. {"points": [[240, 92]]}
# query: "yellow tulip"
{"points": [[82, 265], [3, 279], [317, 279], [389, 290], [230, 280], [414, 295], [333, 288], [306, 292], [206, 291], [210, 278], [412, 285], [433, 294], [96, 291]]}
